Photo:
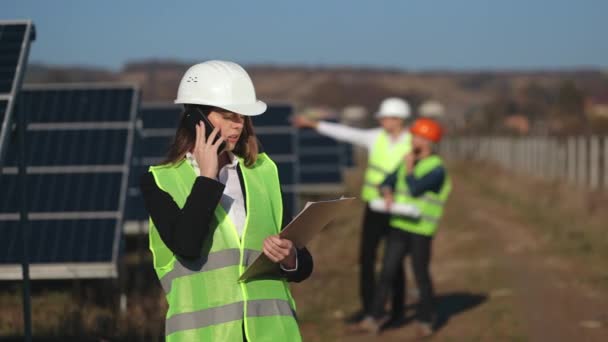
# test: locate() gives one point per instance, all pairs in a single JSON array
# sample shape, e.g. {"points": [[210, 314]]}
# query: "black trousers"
{"points": [[399, 244], [375, 227]]}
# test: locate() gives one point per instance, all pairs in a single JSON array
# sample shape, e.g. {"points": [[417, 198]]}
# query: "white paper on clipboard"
{"points": [[401, 209], [309, 222]]}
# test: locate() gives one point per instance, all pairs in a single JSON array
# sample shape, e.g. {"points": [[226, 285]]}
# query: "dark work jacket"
{"points": [[185, 230], [432, 182]]}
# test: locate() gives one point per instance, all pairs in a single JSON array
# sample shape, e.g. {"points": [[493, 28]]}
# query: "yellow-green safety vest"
{"points": [[206, 300], [430, 203], [383, 160]]}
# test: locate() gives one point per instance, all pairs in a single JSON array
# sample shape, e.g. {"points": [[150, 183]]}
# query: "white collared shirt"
{"points": [[359, 137], [232, 199]]}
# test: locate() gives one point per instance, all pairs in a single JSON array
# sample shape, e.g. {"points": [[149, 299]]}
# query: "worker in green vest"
{"points": [[421, 181], [215, 205], [386, 147]]}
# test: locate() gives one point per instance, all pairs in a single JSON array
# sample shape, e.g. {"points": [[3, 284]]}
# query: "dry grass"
{"points": [[568, 221]]}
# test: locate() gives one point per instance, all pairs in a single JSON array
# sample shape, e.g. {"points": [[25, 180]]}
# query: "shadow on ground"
{"points": [[452, 304], [448, 306]]}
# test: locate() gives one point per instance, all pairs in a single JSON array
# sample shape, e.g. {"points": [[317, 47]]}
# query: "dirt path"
{"points": [[494, 276], [552, 303]]}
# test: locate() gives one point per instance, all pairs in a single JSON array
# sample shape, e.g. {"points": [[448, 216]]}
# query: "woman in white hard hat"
{"points": [[386, 147], [213, 211]]}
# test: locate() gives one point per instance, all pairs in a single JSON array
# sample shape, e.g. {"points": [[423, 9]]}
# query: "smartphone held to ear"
{"points": [[193, 117]]}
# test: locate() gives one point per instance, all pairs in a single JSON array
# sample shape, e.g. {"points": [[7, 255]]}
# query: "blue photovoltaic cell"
{"points": [[281, 143], [149, 148], [63, 192], [321, 176], [11, 40], [154, 147], [289, 203], [135, 210], [60, 241], [310, 138], [275, 115], [286, 171], [321, 158], [3, 104], [165, 117], [77, 105], [73, 147], [348, 160], [14, 48], [78, 146]]}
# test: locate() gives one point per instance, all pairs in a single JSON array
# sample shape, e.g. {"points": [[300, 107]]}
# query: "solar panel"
{"points": [[156, 128], [15, 38], [280, 140], [79, 149], [158, 124], [321, 161], [348, 159]]}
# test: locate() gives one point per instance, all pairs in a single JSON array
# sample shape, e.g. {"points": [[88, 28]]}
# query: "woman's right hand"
{"points": [[301, 121], [205, 152]]}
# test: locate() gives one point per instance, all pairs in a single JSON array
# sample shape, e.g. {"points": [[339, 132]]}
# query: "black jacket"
{"points": [[185, 230], [433, 182]]}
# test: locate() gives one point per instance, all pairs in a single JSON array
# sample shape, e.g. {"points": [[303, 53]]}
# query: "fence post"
{"points": [[535, 163], [594, 163], [537, 157], [605, 162], [571, 160], [562, 160], [529, 158], [581, 173], [521, 156], [544, 157]]}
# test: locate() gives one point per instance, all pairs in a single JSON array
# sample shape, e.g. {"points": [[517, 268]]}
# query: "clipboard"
{"points": [[315, 217]]}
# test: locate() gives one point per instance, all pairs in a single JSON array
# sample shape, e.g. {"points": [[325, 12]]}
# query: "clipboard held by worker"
{"points": [[315, 217]]}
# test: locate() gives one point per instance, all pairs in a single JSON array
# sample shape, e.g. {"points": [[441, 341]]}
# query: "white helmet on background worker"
{"points": [[220, 84], [431, 109], [394, 107]]}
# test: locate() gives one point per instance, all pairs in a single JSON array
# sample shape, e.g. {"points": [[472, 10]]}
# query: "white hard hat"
{"points": [[432, 109], [220, 84], [394, 107]]}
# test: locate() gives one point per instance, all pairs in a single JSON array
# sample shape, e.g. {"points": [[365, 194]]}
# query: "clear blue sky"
{"points": [[417, 35]]}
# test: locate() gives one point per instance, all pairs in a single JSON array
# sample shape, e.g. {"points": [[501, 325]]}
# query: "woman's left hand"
{"points": [[280, 251]]}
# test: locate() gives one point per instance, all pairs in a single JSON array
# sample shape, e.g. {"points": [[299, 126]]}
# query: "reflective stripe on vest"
{"points": [[430, 204], [228, 313], [425, 197], [383, 160], [212, 261], [206, 301]]}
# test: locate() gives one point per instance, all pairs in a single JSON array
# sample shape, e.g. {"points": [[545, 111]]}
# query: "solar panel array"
{"points": [[321, 162], [280, 141], [15, 38], [320, 158], [157, 128], [79, 149]]}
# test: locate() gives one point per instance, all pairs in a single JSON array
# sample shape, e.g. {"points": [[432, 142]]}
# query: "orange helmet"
{"points": [[427, 128]]}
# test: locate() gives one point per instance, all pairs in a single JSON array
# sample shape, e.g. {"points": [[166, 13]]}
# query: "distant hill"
{"points": [[462, 93]]}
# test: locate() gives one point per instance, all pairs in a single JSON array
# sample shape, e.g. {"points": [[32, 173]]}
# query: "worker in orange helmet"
{"points": [[421, 182]]}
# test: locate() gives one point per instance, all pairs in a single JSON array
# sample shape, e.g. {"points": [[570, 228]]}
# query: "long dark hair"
{"points": [[246, 147]]}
